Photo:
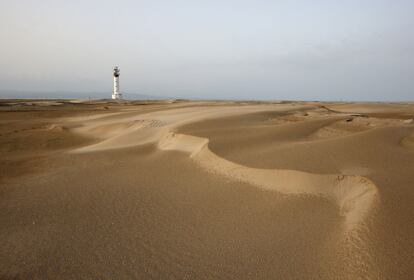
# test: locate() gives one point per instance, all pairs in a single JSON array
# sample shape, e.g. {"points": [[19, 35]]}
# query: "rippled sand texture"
{"points": [[207, 190]]}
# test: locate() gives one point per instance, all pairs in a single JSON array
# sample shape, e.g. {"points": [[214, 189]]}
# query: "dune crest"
{"points": [[354, 195]]}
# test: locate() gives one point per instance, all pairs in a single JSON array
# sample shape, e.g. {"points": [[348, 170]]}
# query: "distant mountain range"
{"points": [[21, 94]]}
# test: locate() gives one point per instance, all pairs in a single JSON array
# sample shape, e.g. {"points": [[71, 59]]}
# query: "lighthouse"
{"points": [[116, 95]]}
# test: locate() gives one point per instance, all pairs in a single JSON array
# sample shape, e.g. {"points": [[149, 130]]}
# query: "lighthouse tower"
{"points": [[115, 93]]}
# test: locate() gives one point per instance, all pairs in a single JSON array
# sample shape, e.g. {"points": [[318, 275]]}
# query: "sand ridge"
{"points": [[354, 195], [133, 130]]}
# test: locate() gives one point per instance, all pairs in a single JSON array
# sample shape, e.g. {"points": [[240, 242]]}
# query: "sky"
{"points": [[230, 49]]}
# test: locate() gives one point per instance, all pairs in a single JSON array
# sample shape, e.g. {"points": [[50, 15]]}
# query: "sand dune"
{"points": [[354, 195], [206, 190], [128, 129], [350, 125]]}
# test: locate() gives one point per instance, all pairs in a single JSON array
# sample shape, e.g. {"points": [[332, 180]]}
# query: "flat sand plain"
{"points": [[206, 190]]}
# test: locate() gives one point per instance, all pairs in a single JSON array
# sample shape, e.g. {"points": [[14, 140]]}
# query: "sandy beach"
{"points": [[206, 190]]}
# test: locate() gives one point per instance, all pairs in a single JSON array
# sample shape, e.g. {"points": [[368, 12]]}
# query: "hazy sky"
{"points": [[257, 49]]}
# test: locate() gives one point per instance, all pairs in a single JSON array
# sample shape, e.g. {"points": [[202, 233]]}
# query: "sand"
{"points": [[206, 190]]}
